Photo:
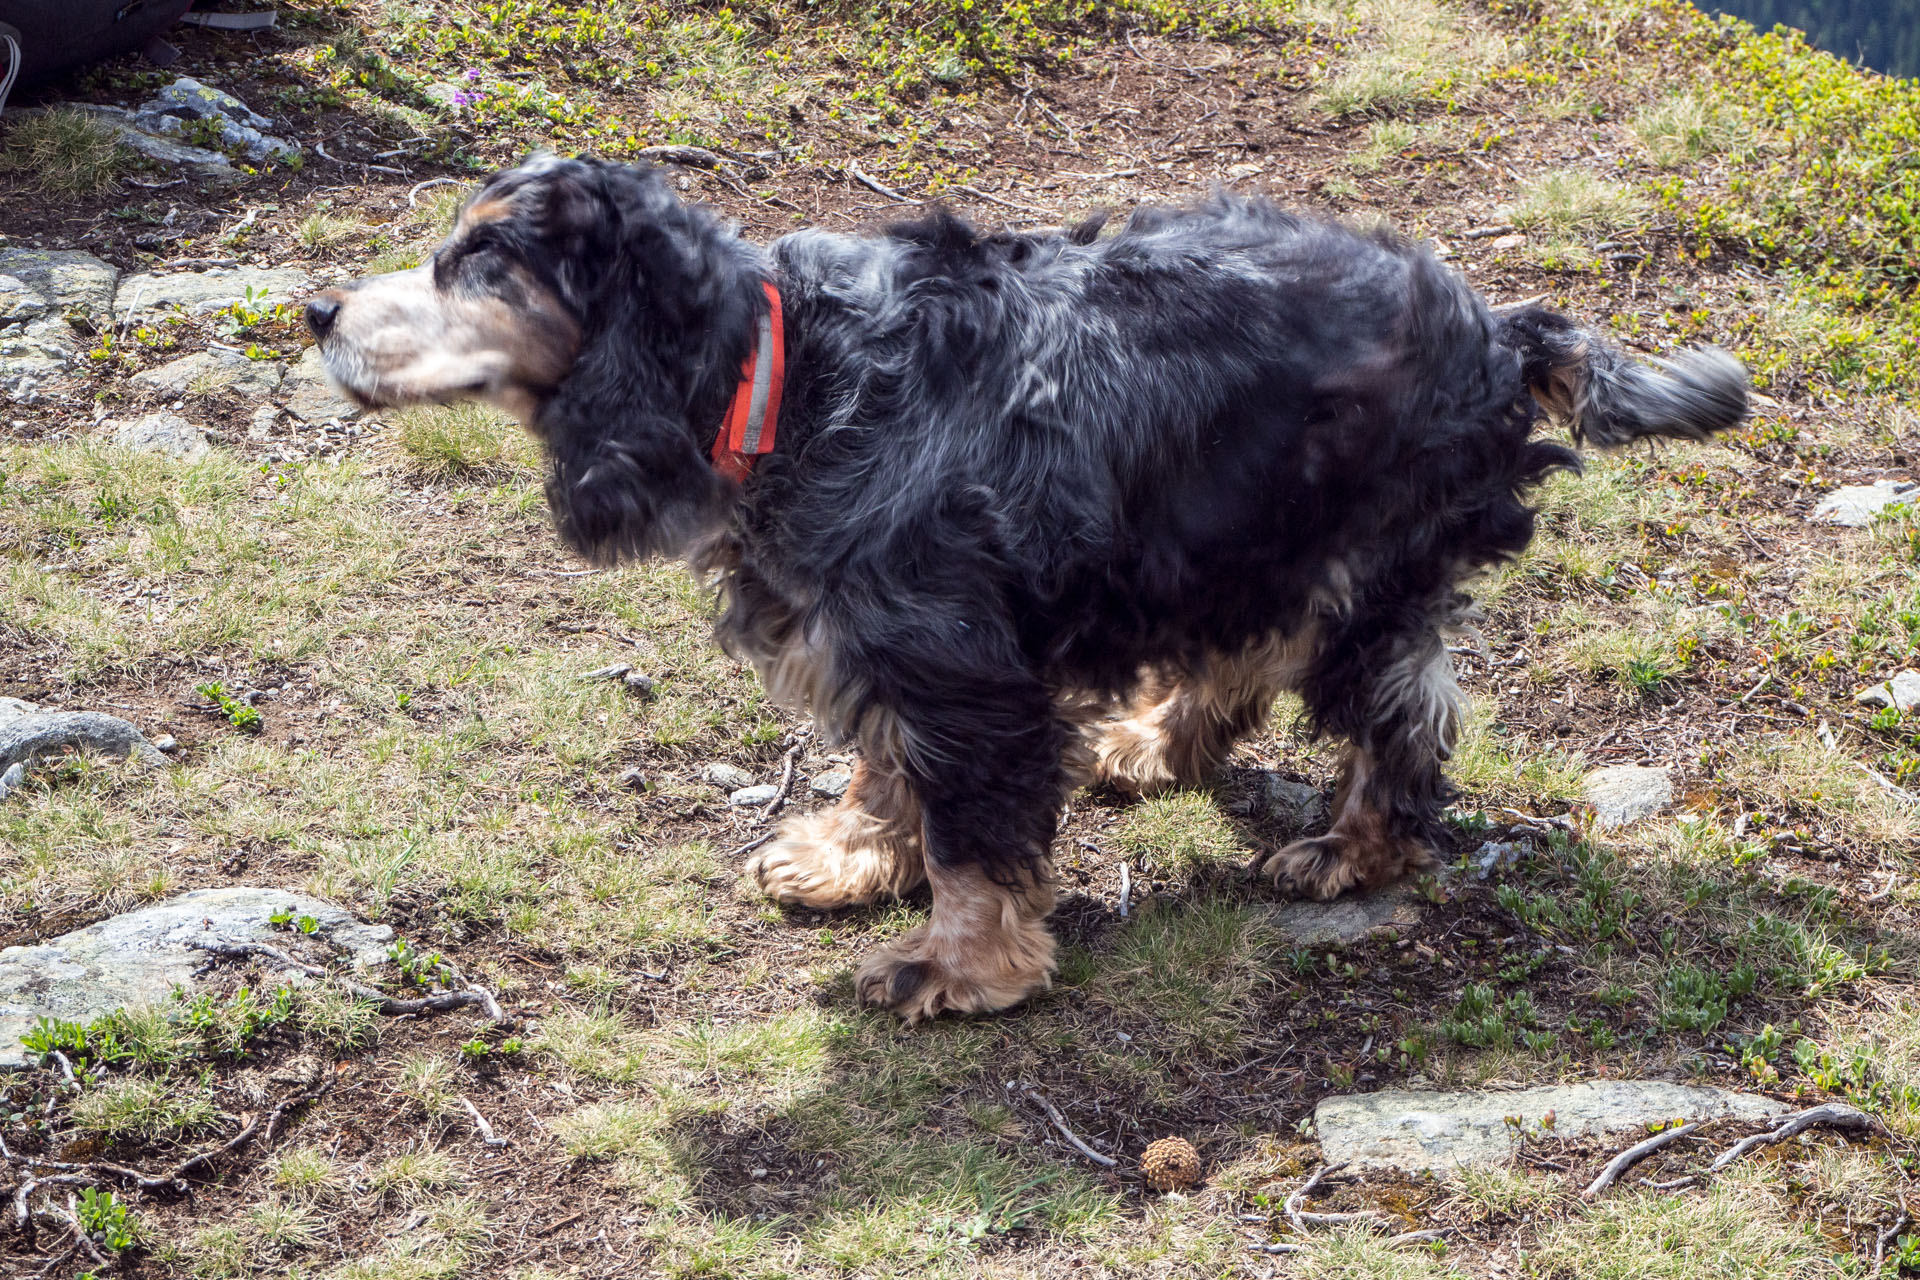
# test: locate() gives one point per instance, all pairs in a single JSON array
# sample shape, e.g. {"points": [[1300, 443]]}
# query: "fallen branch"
{"points": [[1419, 1237], [1832, 1115], [413, 196], [391, 1006], [1634, 1155], [486, 1130], [1276, 1249], [694, 157], [1302, 1220], [854, 171], [89, 1173], [1060, 1123]]}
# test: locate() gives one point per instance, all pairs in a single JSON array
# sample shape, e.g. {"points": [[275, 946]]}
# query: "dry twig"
{"points": [[1634, 1155], [1303, 1221], [785, 788], [486, 1130], [1060, 1123], [391, 1006]]}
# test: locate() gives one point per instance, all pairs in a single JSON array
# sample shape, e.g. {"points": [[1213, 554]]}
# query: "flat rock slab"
{"points": [[167, 433], [1283, 797], [1901, 693], [1351, 918], [202, 292], [1856, 505], [309, 396], [62, 278], [1435, 1132], [140, 957], [1626, 793], [208, 371]]}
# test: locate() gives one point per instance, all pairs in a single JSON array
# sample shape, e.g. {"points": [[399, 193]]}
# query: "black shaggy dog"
{"points": [[1040, 510]]}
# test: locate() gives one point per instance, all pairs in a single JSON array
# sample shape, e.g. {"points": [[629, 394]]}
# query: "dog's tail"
{"points": [[1604, 396]]}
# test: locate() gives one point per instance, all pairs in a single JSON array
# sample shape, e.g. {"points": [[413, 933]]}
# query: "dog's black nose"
{"points": [[321, 313]]}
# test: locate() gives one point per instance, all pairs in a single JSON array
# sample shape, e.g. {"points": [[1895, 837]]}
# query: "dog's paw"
{"points": [[834, 859], [1324, 867], [1131, 756], [913, 981], [1319, 868]]}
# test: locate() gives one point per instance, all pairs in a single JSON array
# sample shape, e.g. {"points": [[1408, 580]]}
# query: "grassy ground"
{"points": [[693, 1092]]}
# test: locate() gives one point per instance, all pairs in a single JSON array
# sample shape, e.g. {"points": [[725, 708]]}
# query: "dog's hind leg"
{"points": [[1402, 725], [1181, 728], [863, 849]]}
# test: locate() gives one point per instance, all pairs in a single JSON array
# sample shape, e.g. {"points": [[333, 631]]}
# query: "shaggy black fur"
{"points": [[1014, 468]]}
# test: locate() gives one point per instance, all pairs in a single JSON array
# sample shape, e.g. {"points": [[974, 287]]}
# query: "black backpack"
{"points": [[53, 36]]}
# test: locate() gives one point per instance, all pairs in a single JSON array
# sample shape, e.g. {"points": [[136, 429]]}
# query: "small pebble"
{"points": [[632, 780], [639, 685], [166, 742], [749, 797], [13, 777]]}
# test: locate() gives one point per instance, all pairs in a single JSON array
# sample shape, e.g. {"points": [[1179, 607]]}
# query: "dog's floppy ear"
{"points": [[667, 315]]}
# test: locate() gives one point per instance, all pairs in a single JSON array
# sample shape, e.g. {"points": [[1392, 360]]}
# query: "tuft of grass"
{"points": [[1178, 834], [64, 152], [142, 1108], [413, 1175], [1385, 140], [1685, 126], [604, 1129], [466, 442], [1734, 1229], [321, 230], [427, 1080], [283, 1226], [1195, 968], [1416, 55], [1565, 202], [303, 1171], [598, 1043]]}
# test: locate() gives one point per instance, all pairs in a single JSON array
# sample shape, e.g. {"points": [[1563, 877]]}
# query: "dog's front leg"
{"points": [[976, 736]]}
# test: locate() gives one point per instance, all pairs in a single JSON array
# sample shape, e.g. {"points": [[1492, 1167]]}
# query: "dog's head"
{"points": [[584, 298]]}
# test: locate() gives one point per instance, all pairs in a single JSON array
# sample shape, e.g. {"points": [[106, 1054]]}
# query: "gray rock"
{"points": [[28, 736], [1497, 855], [1902, 692], [309, 396], [166, 742], [1626, 793], [204, 163], [11, 707], [614, 671], [140, 957], [10, 780], [63, 279], [639, 684], [186, 102], [1284, 797], [632, 779], [205, 372], [752, 797], [19, 302], [1435, 1132], [731, 777], [1856, 505], [167, 433], [830, 785], [1350, 918], [202, 292]]}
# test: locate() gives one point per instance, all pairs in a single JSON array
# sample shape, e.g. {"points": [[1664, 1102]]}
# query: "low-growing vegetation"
{"points": [[389, 686]]}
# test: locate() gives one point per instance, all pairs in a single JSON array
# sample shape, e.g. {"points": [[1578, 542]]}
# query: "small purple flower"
{"points": [[465, 99], [473, 74]]}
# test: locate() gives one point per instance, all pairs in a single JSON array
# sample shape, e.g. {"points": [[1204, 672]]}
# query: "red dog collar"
{"points": [[749, 427]]}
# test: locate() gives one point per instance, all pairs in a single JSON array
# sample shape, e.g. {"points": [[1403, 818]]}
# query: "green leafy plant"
{"points": [[237, 711], [421, 970], [105, 1217]]}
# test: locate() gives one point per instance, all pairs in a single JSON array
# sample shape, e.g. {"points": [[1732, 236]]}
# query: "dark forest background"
{"points": [[1882, 34]]}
